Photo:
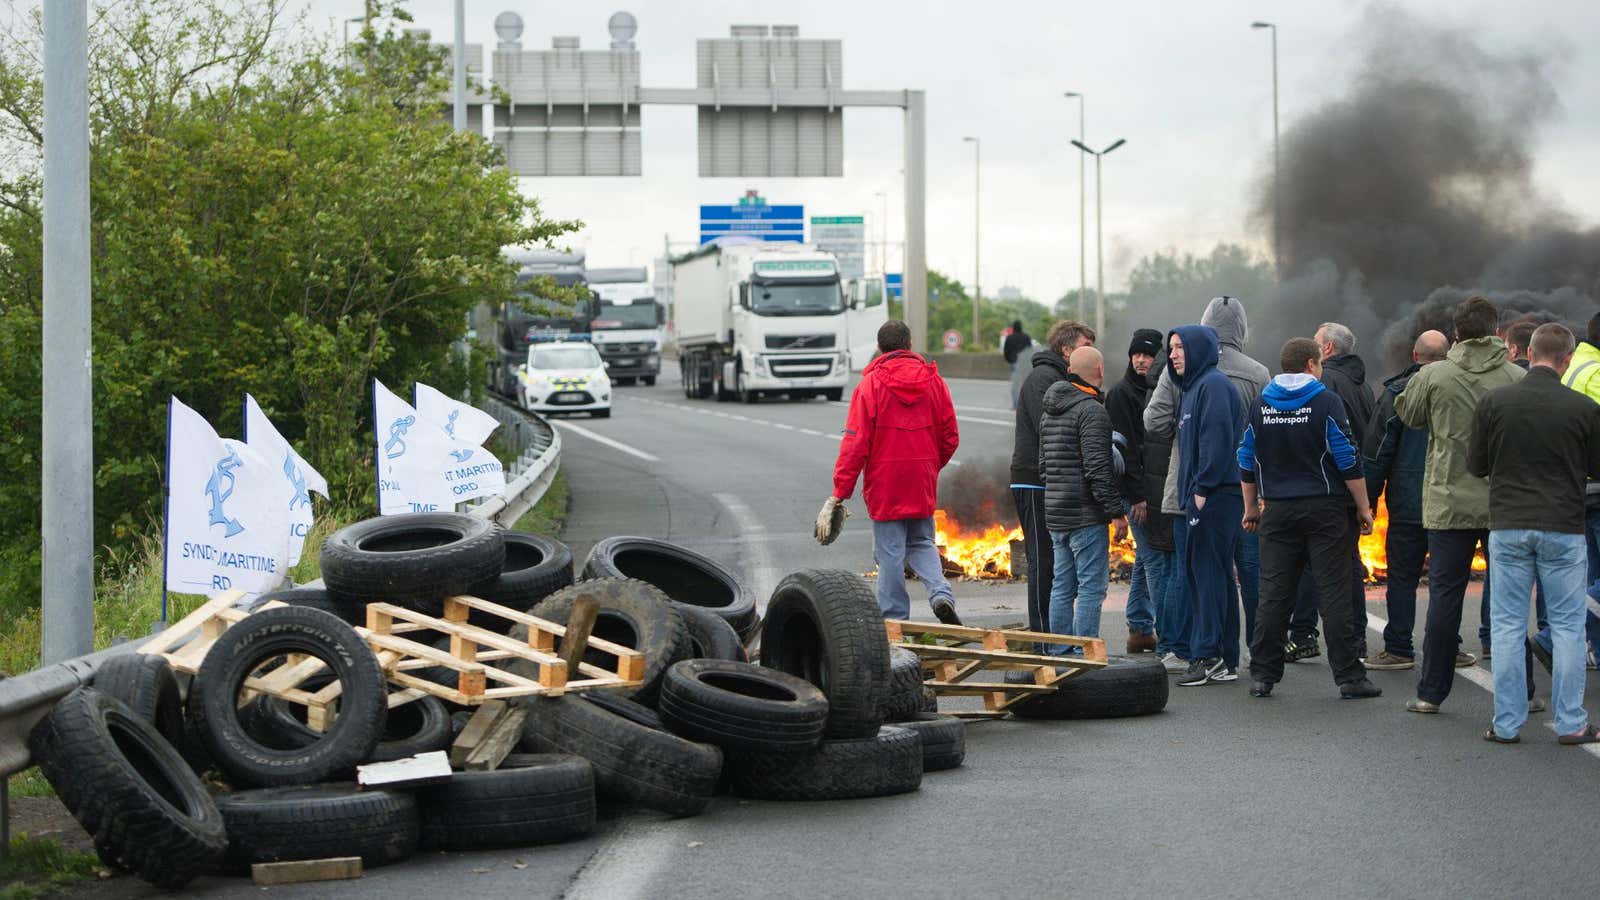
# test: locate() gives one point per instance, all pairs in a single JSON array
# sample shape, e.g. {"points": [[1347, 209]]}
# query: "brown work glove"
{"points": [[830, 521]]}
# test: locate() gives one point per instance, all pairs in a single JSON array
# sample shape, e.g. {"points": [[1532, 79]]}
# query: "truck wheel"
{"points": [[624, 382], [719, 387], [649, 380], [834, 394]]}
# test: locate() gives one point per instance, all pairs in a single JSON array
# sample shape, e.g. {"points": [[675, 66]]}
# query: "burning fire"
{"points": [[986, 552], [1374, 553]]}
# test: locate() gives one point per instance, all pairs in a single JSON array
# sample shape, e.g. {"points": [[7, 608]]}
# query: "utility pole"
{"points": [[883, 244], [459, 65], [977, 235], [1100, 256], [1277, 171], [915, 282], [1083, 205], [67, 502]]}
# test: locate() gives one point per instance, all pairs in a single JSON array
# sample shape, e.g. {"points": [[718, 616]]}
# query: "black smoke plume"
{"points": [[978, 494], [1415, 189]]}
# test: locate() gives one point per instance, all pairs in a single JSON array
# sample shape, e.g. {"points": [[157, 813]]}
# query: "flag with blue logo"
{"points": [[297, 480], [461, 421], [227, 526], [421, 468]]}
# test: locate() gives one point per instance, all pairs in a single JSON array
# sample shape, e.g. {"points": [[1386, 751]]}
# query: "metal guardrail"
{"points": [[26, 699]]}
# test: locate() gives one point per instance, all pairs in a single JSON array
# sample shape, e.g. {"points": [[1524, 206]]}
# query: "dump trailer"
{"points": [[627, 327]]}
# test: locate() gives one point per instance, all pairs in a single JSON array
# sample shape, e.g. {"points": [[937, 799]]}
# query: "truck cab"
{"points": [[626, 329]]}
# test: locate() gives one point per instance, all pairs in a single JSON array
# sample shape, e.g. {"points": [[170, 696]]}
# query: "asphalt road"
{"points": [[1220, 796]]}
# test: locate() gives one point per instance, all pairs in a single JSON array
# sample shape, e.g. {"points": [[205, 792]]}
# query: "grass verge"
{"points": [[36, 866], [549, 515]]}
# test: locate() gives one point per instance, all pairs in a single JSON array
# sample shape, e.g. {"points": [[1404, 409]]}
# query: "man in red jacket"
{"points": [[901, 430]]}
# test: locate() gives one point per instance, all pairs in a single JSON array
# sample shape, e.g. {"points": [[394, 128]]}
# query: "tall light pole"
{"points": [[1083, 205], [1277, 182], [883, 244], [459, 67], [977, 241], [1099, 253]]}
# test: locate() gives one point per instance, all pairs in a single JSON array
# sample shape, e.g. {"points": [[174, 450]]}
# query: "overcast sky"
{"points": [[1187, 84]]}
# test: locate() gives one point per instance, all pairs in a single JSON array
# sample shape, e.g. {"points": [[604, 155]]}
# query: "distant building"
{"points": [[1008, 294]]}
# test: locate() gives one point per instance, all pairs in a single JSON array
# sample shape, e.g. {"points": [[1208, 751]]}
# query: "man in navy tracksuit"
{"points": [[1210, 419], [1299, 459]]}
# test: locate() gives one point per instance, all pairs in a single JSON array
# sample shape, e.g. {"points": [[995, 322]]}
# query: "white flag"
{"points": [[459, 420], [227, 527], [420, 467], [298, 478]]}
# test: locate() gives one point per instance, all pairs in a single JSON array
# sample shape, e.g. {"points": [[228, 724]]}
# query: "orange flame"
{"points": [[985, 552], [1374, 552]]}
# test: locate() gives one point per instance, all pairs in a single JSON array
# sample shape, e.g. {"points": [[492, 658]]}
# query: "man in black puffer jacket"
{"points": [[1126, 402], [1080, 495], [1027, 486]]}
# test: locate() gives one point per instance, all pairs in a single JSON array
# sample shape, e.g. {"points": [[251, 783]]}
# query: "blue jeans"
{"points": [[1148, 582], [1173, 634], [897, 543], [1591, 625], [1079, 588], [1517, 556]]}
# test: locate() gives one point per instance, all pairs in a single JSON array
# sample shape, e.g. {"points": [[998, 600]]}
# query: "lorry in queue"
{"points": [[756, 318], [530, 318], [626, 329]]}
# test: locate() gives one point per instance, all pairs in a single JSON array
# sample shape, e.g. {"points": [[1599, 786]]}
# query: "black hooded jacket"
{"points": [[1017, 343], [1125, 403], [1080, 479], [1346, 376], [1048, 368]]}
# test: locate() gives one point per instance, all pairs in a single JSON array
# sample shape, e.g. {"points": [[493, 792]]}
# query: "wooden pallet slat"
{"points": [[958, 652]]}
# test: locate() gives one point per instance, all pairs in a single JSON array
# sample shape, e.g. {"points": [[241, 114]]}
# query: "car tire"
{"points": [[421, 726], [319, 598], [823, 625], [318, 821], [686, 576], [710, 635], [902, 696], [272, 633], [944, 740], [529, 799], [889, 762], [535, 568], [146, 683], [742, 708], [649, 380], [632, 613], [415, 561], [635, 762], [145, 809], [1125, 687]]}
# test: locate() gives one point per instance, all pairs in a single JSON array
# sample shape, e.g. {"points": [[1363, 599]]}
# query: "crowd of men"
{"points": [[1247, 492]]}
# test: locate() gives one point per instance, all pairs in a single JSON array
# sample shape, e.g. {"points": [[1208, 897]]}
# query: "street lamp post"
{"points": [[459, 67], [977, 243], [883, 244], [1099, 252], [1277, 183], [1083, 204]]}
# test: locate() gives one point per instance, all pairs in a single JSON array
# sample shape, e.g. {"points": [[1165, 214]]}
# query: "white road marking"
{"points": [[602, 439], [752, 537], [985, 409], [626, 866], [984, 421], [1479, 676], [783, 426]]}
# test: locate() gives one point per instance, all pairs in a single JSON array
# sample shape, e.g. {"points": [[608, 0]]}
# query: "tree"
{"points": [[265, 220]]}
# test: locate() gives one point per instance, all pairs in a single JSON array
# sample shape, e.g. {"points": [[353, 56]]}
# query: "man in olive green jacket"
{"points": [[1441, 399]]}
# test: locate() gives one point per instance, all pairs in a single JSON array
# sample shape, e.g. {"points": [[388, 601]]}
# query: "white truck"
{"points": [[627, 326], [755, 318]]}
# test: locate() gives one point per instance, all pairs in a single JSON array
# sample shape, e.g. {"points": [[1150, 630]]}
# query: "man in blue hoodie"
{"points": [[1299, 459], [1210, 419]]}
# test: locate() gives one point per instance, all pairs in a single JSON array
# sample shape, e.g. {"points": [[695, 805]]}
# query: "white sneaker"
{"points": [[1174, 665]]}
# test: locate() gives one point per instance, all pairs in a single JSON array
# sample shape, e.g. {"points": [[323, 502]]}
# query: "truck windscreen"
{"points": [[809, 298], [634, 315]]}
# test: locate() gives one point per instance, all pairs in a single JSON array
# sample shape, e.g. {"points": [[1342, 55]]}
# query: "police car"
{"points": [[564, 375]]}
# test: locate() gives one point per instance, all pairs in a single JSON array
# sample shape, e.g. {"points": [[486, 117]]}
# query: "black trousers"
{"points": [[1449, 569], [1319, 533], [1041, 554], [1303, 623], [1407, 549]]}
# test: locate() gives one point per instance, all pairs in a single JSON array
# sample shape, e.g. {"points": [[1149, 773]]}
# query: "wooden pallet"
{"points": [[399, 656], [949, 663]]}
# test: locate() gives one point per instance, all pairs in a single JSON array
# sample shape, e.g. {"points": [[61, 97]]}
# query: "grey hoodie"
{"points": [[1227, 316]]}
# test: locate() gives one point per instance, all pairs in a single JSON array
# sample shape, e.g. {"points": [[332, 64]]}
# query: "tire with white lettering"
{"points": [[535, 568], [903, 695], [889, 762], [318, 821], [319, 598], [1125, 687], [824, 626], [529, 799], [269, 637], [689, 578], [632, 613], [146, 810], [635, 761], [710, 636], [944, 740], [415, 561]]}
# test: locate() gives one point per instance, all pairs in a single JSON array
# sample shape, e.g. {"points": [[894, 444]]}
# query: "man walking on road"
{"points": [[1210, 420], [1012, 348], [1299, 456], [1152, 549], [900, 431], [1027, 486], [1394, 471], [1080, 495], [1536, 442], [1440, 399]]}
